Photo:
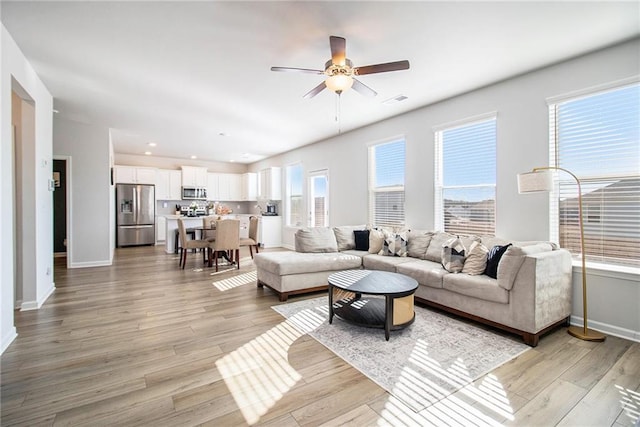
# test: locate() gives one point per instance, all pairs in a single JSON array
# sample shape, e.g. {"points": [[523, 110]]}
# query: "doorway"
{"points": [[59, 208], [319, 198]]}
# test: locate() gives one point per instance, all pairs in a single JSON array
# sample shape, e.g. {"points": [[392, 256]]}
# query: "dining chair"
{"points": [[252, 240], [227, 239], [210, 223], [187, 244]]}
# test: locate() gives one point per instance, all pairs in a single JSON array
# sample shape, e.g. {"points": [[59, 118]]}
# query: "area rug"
{"points": [[421, 364]]}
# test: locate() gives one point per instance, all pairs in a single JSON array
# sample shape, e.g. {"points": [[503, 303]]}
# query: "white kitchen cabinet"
{"points": [[249, 183], [134, 175], [161, 229], [224, 187], [168, 184], [212, 187], [270, 231], [271, 184], [194, 176], [234, 181]]}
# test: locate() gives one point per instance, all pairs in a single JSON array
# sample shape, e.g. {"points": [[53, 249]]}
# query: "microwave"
{"points": [[194, 193]]}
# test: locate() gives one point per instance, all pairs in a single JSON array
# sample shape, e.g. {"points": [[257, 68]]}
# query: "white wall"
{"points": [[171, 163], [88, 146], [14, 65], [522, 143]]}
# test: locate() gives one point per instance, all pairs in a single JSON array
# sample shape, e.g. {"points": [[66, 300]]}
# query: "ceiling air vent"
{"points": [[394, 100]]}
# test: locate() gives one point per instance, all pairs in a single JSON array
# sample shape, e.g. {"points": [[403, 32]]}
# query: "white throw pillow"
{"points": [[376, 239]]}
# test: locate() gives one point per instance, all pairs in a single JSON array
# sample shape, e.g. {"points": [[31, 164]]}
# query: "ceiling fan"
{"points": [[340, 71]]}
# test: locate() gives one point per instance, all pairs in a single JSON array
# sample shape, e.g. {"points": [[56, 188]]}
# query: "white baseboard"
{"points": [[608, 329], [34, 305], [104, 263], [8, 339]]}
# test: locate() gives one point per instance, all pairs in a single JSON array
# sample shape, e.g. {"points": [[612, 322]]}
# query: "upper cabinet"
{"points": [[168, 184], [134, 175], [224, 187], [249, 188], [194, 176], [271, 184]]}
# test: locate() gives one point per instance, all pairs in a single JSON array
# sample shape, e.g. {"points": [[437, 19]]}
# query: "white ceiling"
{"points": [[181, 74]]}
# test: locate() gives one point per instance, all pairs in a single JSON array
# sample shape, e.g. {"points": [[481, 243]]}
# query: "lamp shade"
{"points": [[339, 82], [533, 182]]}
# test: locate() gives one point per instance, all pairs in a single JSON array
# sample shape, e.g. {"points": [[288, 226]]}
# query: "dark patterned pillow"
{"points": [[362, 239], [493, 259], [395, 244]]}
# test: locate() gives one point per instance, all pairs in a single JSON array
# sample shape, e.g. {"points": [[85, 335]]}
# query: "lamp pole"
{"points": [[583, 333]]}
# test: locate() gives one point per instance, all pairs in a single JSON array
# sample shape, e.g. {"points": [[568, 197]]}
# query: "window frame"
{"points": [[604, 265], [373, 189], [439, 187]]}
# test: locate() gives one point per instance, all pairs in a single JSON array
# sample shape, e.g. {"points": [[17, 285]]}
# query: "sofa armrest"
{"points": [[542, 289]]}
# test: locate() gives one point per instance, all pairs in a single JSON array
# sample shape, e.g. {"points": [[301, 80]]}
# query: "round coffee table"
{"points": [[393, 312]]}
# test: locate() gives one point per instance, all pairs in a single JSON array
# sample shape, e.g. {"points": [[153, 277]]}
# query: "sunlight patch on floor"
{"points": [[236, 281], [630, 401], [258, 374], [466, 407]]}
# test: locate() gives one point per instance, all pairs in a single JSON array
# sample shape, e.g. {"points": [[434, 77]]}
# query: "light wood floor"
{"points": [[144, 343]]}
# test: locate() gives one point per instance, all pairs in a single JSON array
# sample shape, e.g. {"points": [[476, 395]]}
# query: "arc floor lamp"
{"points": [[541, 179]]}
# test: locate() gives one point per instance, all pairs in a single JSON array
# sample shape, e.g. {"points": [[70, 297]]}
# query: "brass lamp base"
{"points": [[591, 335]]}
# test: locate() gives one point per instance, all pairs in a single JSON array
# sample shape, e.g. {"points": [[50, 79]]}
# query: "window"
{"points": [[597, 138], [465, 181], [294, 207], [386, 184], [319, 198]]}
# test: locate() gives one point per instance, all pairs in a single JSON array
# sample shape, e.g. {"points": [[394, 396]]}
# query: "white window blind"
{"points": [[465, 181], [294, 195], [386, 184], [597, 138]]}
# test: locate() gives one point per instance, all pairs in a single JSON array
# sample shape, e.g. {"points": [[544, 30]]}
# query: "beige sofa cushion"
{"points": [[316, 239], [345, 237], [285, 263], [427, 273], [382, 262], [418, 242], [482, 287]]}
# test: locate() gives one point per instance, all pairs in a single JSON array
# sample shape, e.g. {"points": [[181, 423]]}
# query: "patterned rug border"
{"points": [[439, 388]]}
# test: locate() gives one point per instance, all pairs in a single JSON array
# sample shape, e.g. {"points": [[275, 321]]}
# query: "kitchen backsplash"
{"points": [[169, 207]]}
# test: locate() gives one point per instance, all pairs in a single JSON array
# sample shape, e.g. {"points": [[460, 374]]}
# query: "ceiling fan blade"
{"points": [[338, 50], [316, 90], [381, 68], [298, 70], [362, 88]]}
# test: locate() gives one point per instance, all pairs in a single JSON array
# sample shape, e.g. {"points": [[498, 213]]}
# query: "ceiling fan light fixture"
{"points": [[339, 82]]}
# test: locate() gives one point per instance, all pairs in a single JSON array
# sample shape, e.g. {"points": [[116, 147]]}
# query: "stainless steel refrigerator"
{"points": [[135, 215]]}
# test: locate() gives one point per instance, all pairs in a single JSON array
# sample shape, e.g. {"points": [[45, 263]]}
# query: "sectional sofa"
{"points": [[529, 294]]}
